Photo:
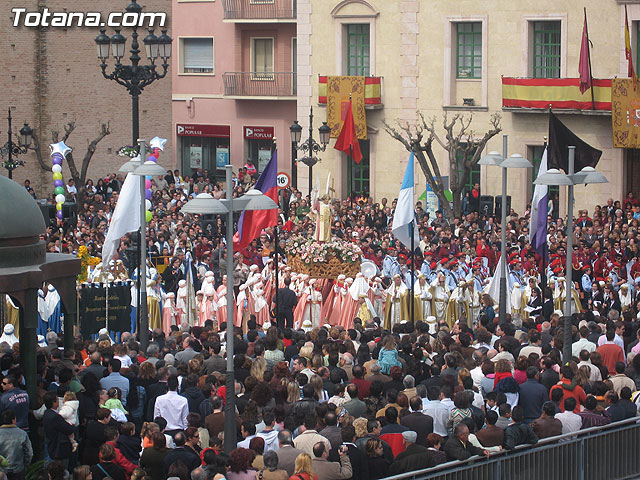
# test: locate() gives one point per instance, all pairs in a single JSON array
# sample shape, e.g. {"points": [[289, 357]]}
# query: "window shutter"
{"points": [[198, 53]]}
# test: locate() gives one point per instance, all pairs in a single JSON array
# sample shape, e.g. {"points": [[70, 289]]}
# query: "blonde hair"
{"points": [[293, 391], [389, 342], [258, 368], [316, 382], [303, 465], [69, 396], [360, 424]]}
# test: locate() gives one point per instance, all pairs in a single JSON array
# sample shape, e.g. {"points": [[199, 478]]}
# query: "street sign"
{"points": [[283, 180]]}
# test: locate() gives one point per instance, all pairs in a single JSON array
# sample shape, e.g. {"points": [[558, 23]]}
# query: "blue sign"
{"points": [[222, 157]]}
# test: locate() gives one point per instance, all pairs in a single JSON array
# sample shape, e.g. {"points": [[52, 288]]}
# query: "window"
{"points": [[359, 173], [469, 50], [546, 49], [262, 58], [197, 55], [535, 153], [358, 49], [474, 175]]}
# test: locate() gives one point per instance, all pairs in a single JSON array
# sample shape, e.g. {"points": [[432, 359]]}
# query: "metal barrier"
{"points": [[596, 453], [259, 84]]}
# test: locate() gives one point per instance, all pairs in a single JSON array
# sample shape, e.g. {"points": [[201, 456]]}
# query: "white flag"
{"points": [[126, 216], [494, 287]]}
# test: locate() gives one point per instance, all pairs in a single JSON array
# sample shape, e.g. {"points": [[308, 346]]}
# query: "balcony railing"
{"points": [[259, 9], [259, 84], [538, 94]]}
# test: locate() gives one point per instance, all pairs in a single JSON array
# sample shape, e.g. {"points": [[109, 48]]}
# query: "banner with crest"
{"points": [[338, 91], [625, 113]]}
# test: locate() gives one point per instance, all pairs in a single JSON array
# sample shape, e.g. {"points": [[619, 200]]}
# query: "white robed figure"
{"points": [[379, 296], [315, 301], [43, 316], [474, 302], [54, 309], [422, 291], [396, 308], [440, 294], [516, 300]]}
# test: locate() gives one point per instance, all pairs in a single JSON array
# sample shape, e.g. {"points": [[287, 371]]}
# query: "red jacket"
{"points": [[121, 460], [577, 393]]}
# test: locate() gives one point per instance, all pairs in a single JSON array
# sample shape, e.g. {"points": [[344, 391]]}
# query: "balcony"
{"points": [[259, 11], [536, 95], [260, 85]]}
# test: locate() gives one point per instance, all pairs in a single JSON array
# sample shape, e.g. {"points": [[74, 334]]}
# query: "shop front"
{"points": [[204, 147], [258, 143]]}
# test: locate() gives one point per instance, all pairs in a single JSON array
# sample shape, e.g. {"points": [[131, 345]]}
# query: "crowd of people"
{"points": [[336, 379]]}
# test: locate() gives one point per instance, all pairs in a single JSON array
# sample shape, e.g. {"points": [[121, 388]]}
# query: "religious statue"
{"points": [[323, 220]]}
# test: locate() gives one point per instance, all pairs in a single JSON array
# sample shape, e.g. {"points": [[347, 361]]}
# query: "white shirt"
{"points": [[174, 409], [571, 422], [583, 344], [596, 375]]}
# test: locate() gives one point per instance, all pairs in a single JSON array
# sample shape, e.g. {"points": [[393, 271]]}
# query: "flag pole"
{"points": [[413, 268], [543, 273], [586, 28]]}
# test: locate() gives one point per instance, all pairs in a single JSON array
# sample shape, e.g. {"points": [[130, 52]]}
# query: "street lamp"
{"points": [[206, 204], [514, 161], [556, 177], [12, 149], [134, 77], [309, 146]]}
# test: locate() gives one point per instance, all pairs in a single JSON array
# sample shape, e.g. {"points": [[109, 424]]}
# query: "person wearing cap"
{"points": [[414, 457], [390, 264]]}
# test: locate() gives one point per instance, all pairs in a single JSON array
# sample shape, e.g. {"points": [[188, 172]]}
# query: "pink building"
{"points": [[234, 87]]}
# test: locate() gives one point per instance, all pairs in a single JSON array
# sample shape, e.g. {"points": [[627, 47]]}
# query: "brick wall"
{"points": [[52, 76]]}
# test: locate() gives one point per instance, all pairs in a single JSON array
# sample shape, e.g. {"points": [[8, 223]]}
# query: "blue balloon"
{"points": [[147, 194], [58, 183], [148, 177], [57, 160]]}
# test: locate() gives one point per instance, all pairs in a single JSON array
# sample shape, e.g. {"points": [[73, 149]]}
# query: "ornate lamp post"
{"points": [[12, 150], [134, 77], [309, 146]]}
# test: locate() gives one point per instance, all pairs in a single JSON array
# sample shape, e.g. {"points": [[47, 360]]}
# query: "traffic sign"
{"points": [[283, 180]]}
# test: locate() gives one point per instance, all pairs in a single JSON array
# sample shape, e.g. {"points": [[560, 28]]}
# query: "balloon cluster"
{"points": [[59, 152], [157, 146]]}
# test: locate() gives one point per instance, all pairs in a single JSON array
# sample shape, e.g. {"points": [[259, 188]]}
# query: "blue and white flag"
{"points": [[539, 209], [404, 217]]}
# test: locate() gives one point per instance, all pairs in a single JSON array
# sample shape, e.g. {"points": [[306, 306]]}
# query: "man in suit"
{"points": [[288, 453], [355, 406], [94, 367], [331, 470], [56, 430], [532, 395], [458, 446], [215, 363], [418, 422], [286, 301], [414, 457]]}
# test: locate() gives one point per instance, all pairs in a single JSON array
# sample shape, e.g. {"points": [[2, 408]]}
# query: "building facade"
{"points": [[51, 76], [446, 58], [234, 83]]}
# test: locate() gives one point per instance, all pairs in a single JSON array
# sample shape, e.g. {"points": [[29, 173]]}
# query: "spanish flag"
{"points": [[628, 53]]}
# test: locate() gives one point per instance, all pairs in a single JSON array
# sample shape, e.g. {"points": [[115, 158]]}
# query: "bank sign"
{"points": [[190, 130], [258, 133]]}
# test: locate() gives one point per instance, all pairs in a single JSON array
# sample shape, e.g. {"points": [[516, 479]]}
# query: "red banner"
{"points": [[259, 133], [191, 130]]}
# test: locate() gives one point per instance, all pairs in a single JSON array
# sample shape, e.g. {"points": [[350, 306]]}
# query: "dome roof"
{"points": [[20, 215]]}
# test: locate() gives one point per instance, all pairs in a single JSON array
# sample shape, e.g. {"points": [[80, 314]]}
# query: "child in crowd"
{"points": [[69, 411]]}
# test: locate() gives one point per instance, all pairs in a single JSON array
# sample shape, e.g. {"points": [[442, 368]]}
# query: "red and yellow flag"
{"points": [[628, 53]]}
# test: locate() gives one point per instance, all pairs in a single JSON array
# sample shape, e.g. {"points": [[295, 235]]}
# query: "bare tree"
{"points": [[464, 149], [79, 177]]}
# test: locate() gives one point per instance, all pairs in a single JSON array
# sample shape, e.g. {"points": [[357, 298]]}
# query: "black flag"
{"points": [[560, 138]]}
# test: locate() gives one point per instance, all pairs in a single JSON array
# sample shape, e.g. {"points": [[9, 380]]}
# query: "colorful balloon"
{"points": [[148, 216], [148, 194], [59, 206], [58, 190], [60, 147], [151, 158], [147, 204], [56, 168], [157, 143], [57, 176], [57, 161], [58, 183], [59, 214], [147, 184], [60, 198]]}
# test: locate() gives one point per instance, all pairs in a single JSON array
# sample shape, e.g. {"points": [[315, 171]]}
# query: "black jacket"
{"points": [[130, 447], [57, 432], [153, 392], [184, 454], [93, 437], [518, 434], [287, 299], [358, 460], [194, 397], [415, 457], [421, 424], [456, 451]]}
